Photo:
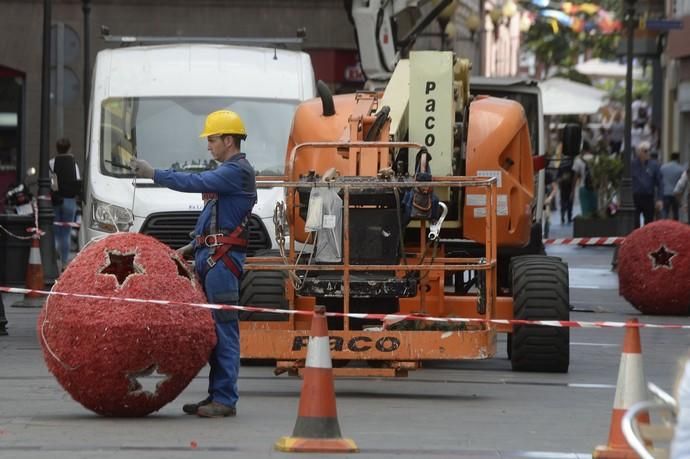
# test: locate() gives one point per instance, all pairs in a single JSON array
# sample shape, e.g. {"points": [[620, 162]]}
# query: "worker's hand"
{"points": [[186, 251], [659, 205], [141, 168]]}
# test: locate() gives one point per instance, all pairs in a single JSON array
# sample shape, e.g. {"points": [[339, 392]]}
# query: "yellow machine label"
{"points": [[431, 111]]}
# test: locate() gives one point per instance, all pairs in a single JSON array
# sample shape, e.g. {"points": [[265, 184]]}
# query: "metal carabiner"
{"points": [[215, 242], [435, 227]]}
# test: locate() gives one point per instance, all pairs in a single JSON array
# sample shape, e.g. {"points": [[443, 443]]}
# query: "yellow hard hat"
{"points": [[223, 122]]}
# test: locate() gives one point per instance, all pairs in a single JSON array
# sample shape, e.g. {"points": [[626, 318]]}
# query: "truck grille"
{"points": [[173, 228]]}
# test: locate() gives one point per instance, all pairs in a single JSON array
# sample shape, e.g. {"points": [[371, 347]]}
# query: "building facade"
{"points": [[677, 97]]}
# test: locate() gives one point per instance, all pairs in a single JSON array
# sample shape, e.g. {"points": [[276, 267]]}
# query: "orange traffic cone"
{"points": [[630, 389], [34, 278], [317, 429]]}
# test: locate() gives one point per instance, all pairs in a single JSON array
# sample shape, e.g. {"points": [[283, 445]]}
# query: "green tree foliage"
{"points": [[563, 48], [616, 89]]}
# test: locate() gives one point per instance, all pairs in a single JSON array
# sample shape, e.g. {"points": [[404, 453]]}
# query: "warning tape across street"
{"points": [[381, 317], [585, 241], [70, 224]]}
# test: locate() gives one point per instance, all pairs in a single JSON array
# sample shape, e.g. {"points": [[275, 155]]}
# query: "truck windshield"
{"points": [[165, 132]]}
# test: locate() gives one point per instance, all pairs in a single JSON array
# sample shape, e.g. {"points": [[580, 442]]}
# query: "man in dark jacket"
{"points": [[647, 185]]}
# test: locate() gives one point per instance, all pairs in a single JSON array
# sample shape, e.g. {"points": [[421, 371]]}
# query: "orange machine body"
{"points": [[498, 145]]}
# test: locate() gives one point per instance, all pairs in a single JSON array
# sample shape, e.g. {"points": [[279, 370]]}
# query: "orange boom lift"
{"points": [[367, 228]]}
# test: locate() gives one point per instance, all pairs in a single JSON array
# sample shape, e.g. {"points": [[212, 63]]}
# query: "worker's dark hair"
{"points": [[63, 145], [675, 156]]}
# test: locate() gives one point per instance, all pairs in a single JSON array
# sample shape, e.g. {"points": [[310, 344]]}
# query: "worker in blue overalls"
{"points": [[218, 246]]}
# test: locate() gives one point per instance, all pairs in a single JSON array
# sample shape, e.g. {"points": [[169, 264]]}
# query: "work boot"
{"points": [[192, 408], [216, 410]]}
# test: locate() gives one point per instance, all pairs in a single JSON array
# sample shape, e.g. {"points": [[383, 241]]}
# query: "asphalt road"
{"points": [[459, 409]]}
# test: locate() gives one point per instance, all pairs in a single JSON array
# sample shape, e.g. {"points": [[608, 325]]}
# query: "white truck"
{"points": [[151, 102]]}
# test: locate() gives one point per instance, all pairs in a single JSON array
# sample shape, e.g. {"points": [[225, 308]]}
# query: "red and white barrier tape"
{"points": [[585, 241], [16, 236], [381, 317], [70, 224], [37, 232]]}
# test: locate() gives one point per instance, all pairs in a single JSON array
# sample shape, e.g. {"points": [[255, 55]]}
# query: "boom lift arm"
{"points": [[376, 31]]}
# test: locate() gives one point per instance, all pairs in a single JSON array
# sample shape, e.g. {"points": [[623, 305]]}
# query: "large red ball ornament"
{"points": [[654, 268], [102, 350]]}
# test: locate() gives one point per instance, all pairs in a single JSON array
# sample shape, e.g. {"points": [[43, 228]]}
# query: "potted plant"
{"points": [[606, 174]]}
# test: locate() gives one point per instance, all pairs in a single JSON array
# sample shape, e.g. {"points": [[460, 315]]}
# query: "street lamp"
{"points": [[472, 22], [626, 214], [86, 9], [45, 206], [509, 9]]}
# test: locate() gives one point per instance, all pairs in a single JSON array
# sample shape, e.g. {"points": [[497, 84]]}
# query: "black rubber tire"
{"points": [[540, 290], [265, 289]]}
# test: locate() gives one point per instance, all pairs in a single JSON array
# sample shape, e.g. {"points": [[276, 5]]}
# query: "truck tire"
{"points": [[540, 292], [264, 289]]}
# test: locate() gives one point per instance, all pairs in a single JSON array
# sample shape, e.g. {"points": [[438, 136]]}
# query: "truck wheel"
{"points": [[540, 292], [264, 289]]}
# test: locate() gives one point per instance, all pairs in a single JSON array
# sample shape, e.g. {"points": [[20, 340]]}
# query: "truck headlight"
{"points": [[110, 218]]}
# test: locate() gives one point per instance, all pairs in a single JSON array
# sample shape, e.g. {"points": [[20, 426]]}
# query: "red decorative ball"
{"points": [[105, 351], [654, 268]]}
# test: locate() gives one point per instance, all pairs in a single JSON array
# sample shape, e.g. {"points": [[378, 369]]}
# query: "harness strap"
{"points": [[217, 240], [223, 253], [221, 245]]}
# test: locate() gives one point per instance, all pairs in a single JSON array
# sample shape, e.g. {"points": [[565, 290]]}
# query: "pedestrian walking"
{"points": [[670, 174], [616, 133], [582, 168], [566, 189], [549, 202], [218, 246], [680, 190], [65, 187], [647, 185]]}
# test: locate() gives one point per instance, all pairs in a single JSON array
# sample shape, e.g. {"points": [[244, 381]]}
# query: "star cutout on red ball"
{"points": [[121, 266], [661, 258], [146, 381]]}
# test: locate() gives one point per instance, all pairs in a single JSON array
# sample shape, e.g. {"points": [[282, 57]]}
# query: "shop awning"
{"points": [[561, 96]]}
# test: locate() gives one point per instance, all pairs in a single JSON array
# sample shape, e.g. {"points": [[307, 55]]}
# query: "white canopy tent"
{"points": [[597, 68], [561, 96]]}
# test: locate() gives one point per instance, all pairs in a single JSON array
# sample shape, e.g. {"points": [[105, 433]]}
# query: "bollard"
{"points": [[3, 318]]}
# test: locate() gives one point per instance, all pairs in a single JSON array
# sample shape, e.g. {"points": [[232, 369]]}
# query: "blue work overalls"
{"points": [[234, 185]]}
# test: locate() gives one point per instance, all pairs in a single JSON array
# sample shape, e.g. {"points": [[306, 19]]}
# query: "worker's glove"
{"points": [[141, 168]]}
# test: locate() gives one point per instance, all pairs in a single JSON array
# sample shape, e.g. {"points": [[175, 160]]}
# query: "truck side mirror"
{"points": [[572, 139]]}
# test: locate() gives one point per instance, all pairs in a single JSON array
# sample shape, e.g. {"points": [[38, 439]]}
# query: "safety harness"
{"points": [[222, 242]]}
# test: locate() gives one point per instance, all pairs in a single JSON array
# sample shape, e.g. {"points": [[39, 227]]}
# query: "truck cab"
{"points": [[150, 102]]}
